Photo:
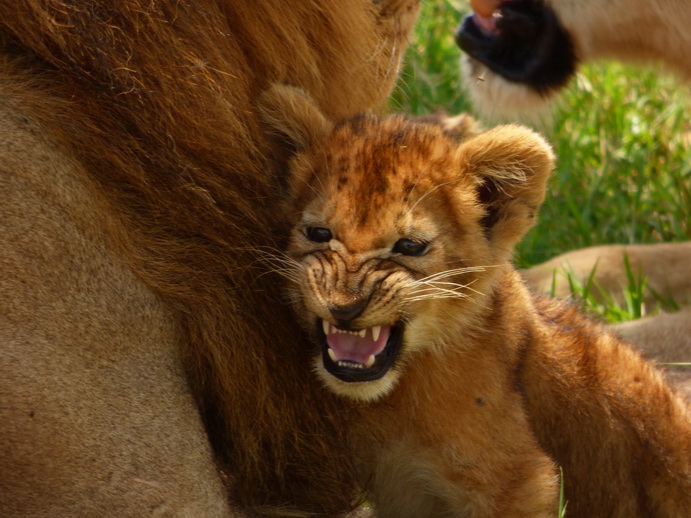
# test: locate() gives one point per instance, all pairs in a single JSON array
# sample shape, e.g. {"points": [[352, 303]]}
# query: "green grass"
{"points": [[562, 500], [623, 172]]}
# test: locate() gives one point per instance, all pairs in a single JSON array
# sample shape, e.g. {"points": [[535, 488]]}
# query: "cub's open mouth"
{"points": [[359, 355]]}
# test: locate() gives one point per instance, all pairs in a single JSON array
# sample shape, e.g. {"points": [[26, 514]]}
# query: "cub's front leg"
{"points": [[477, 463]]}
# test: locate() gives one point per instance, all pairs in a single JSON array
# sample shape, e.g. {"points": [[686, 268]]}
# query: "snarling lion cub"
{"points": [[473, 391]]}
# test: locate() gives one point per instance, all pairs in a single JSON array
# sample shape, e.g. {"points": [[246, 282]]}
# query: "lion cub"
{"points": [[471, 392]]}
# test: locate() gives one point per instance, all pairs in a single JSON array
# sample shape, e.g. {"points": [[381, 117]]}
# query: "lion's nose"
{"points": [[344, 313]]}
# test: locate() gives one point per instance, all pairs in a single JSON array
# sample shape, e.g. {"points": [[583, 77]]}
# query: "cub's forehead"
{"points": [[386, 157], [376, 170]]}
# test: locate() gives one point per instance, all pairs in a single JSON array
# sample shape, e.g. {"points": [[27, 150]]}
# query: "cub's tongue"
{"points": [[353, 348]]}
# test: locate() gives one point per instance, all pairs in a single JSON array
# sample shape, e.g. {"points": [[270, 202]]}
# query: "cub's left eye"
{"points": [[318, 234], [409, 247]]}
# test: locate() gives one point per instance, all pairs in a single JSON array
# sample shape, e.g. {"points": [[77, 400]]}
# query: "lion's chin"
{"points": [[358, 364]]}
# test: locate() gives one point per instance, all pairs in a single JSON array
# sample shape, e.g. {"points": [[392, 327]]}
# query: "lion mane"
{"points": [[153, 105]]}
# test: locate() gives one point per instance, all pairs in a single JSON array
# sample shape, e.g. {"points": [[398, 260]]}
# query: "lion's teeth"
{"points": [[376, 330], [332, 355], [351, 365], [370, 361], [362, 333], [325, 326]]}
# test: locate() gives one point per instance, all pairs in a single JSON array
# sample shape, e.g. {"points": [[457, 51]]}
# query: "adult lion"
{"points": [[145, 355], [526, 51], [521, 54]]}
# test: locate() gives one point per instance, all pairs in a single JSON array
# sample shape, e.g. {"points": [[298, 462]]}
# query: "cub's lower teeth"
{"points": [[351, 365]]}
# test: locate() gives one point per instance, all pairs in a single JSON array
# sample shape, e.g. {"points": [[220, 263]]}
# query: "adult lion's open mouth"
{"points": [[359, 355], [524, 43]]}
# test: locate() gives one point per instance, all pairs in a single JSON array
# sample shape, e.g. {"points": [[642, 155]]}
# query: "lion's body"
{"points": [[136, 194], [609, 271], [609, 268], [474, 390], [647, 32], [95, 421]]}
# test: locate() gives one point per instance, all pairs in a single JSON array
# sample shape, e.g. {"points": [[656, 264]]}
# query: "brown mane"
{"points": [[152, 99]]}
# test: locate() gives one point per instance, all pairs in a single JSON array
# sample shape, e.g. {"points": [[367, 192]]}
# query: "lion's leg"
{"points": [[96, 418], [609, 268]]}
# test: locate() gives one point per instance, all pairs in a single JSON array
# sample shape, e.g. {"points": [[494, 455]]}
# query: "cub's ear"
{"points": [[510, 165], [294, 124], [292, 117]]}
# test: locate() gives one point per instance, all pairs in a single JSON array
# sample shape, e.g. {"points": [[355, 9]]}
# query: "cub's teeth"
{"points": [[332, 355], [376, 330], [370, 361], [325, 326]]}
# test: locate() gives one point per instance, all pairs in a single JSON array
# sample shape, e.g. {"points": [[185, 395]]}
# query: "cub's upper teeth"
{"points": [[329, 328], [350, 352]]}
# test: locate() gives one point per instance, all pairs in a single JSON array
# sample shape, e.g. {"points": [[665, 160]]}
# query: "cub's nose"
{"points": [[345, 313]]}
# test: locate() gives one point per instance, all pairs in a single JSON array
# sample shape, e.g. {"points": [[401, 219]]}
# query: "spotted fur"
{"points": [[491, 389]]}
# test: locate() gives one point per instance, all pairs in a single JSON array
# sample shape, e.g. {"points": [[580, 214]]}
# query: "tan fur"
{"points": [[492, 388], [143, 346], [662, 265]]}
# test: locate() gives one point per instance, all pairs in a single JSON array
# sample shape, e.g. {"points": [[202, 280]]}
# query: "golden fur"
{"points": [[144, 348], [481, 390], [664, 338]]}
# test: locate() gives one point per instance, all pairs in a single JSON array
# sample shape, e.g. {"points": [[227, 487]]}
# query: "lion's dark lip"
{"points": [[530, 45], [358, 374]]}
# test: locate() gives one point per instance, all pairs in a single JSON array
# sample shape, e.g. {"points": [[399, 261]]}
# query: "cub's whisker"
{"points": [[282, 264]]}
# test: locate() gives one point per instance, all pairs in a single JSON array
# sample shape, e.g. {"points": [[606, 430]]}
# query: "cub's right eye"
{"points": [[409, 247], [318, 234]]}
